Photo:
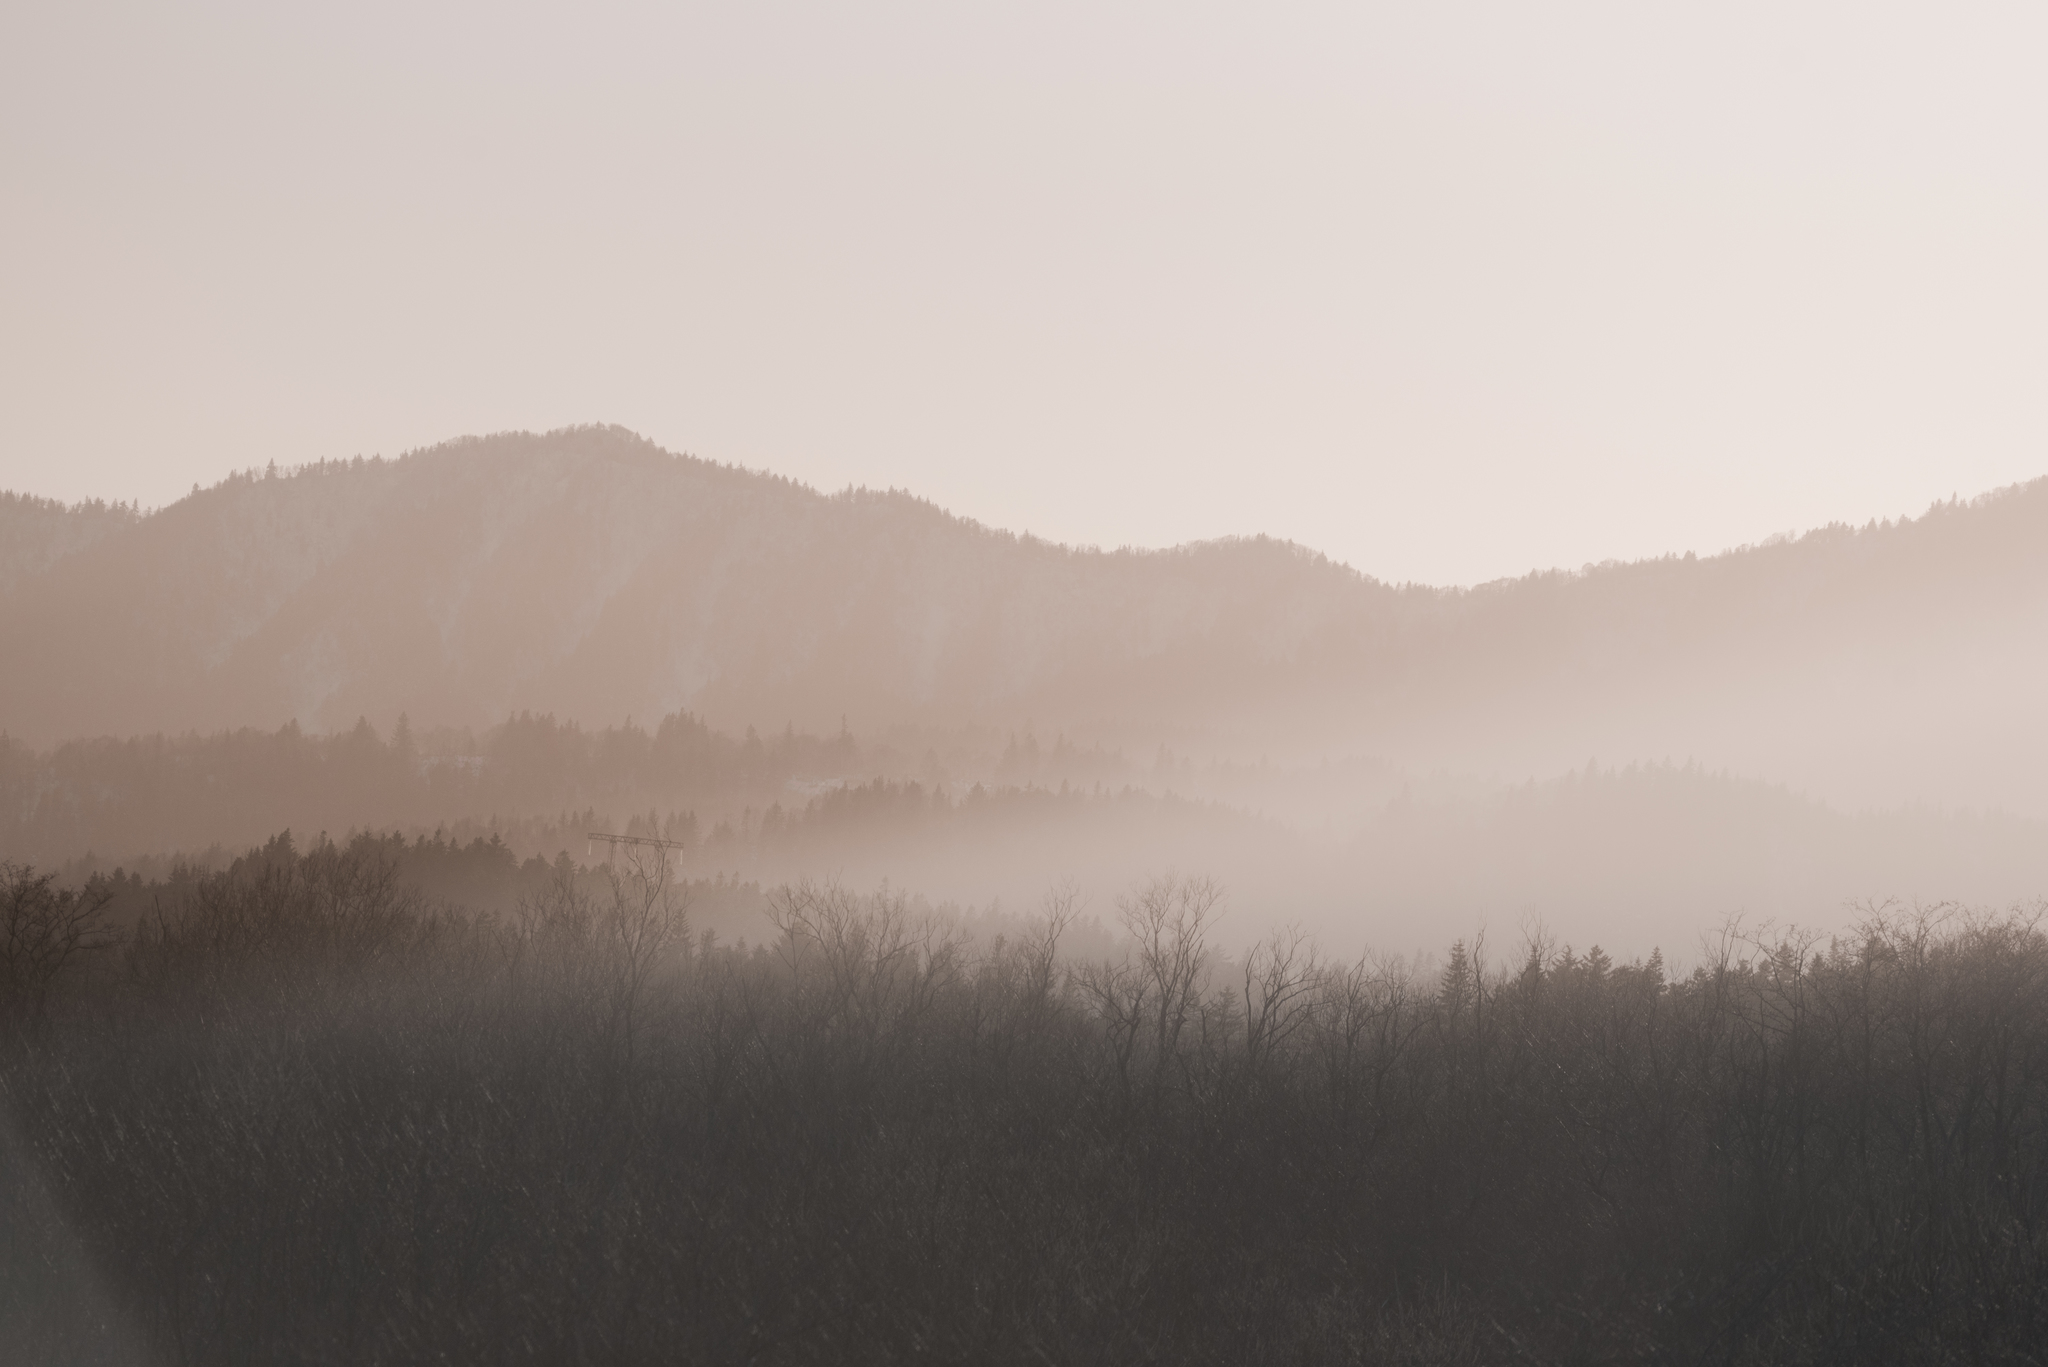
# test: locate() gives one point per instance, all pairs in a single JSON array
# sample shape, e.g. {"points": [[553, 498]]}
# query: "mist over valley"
{"points": [[861, 687], [1356, 686]]}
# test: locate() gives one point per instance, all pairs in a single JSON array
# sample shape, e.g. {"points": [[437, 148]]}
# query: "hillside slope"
{"points": [[589, 574]]}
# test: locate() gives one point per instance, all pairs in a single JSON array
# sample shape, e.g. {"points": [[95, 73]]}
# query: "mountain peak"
{"points": [[590, 574]]}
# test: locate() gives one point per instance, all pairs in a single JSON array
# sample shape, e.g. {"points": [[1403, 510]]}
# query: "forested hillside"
{"points": [[36, 533], [1630, 856], [590, 575], [306, 1112]]}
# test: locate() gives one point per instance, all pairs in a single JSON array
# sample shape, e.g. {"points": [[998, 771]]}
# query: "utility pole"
{"points": [[614, 841]]}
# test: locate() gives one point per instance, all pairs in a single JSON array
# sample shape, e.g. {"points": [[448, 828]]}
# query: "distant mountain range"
{"points": [[589, 574]]}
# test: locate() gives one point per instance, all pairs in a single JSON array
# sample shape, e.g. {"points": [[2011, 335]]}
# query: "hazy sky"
{"points": [[1449, 290]]}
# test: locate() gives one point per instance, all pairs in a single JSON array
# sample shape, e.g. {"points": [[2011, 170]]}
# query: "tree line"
{"points": [[160, 793], [313, 1113]]}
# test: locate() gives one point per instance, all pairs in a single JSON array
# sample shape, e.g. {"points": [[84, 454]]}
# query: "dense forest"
{"points": [[306, 1112], [588, 574], [1632, 855], [160, 793], [35, 533], [545, 899]]}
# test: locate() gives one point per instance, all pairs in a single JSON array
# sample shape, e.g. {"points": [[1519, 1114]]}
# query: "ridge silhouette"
{"points": [[589, 574]]}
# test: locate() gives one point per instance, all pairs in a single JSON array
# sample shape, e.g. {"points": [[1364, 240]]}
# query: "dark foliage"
{"points": [[540, 785], [311, 1115], [186, 792]]}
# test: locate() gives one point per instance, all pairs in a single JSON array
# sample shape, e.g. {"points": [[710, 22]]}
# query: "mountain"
{"points": [[35, 533], [589, 574]]}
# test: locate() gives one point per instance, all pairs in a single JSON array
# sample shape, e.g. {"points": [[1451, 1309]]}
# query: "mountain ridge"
{"points": [[589, 573]]}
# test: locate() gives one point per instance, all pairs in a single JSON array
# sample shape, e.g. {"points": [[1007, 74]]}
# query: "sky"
{"points": [[1449, 291]]}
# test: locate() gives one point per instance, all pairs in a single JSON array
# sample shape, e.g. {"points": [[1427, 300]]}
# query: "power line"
{"points": [[617, 840]]}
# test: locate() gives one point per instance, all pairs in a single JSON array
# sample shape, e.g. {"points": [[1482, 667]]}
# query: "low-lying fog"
{"points": [[862, 688]]}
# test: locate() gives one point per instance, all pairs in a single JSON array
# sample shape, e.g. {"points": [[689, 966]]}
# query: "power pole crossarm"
{"points": [[617, 840]]}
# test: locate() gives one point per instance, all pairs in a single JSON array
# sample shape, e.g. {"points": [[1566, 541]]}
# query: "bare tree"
{"points": [[43, 931], [1281, 975], [1152, 993], [645, 917], [863, 964]]}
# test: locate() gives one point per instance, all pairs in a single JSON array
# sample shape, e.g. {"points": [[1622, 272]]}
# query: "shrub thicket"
{"points": [[306, 1115]]}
